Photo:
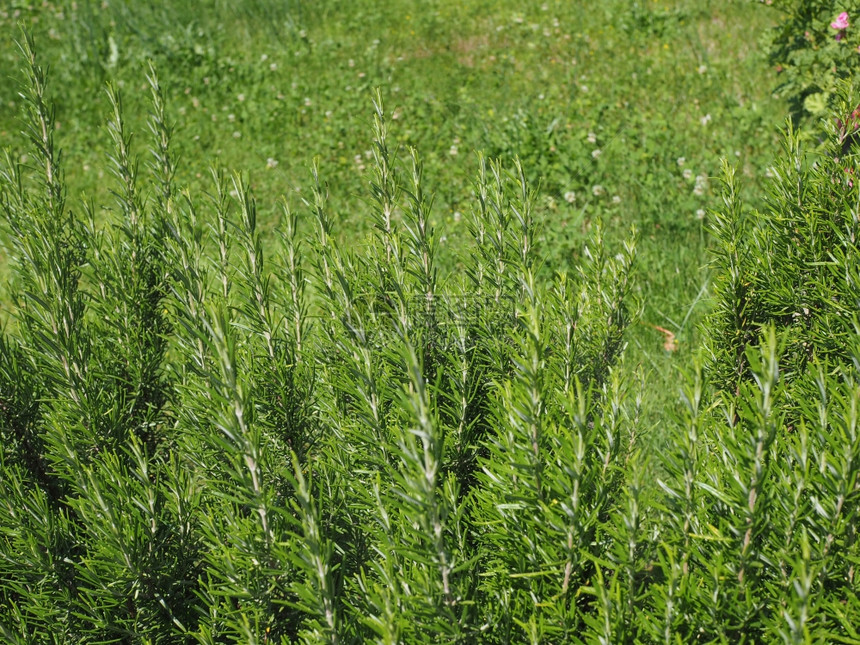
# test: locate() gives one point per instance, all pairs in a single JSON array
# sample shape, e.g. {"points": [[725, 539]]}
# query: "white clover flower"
{"points": [[271, 163], [453, 151], [616, 199], [705, 120], [596, 153], [237, 135], [241, 97], [687, 173], [570, 197], [681, 161], [591, 138], [700, 214], [597, 190], [703, 69]]}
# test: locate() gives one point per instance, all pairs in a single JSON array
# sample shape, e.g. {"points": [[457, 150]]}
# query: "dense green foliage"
{"points": [[217, 428], [794, 265], [814, 47]]}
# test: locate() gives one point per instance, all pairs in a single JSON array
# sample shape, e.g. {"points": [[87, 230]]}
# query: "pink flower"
{"points": [[841, 21]]}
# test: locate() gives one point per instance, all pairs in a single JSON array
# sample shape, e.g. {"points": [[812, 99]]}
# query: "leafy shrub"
{"points": [[197, 446], [815, 46], [793, 266]]}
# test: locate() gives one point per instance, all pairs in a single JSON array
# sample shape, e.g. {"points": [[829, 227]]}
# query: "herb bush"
{"points": [[795, 265], [206, 442]]}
